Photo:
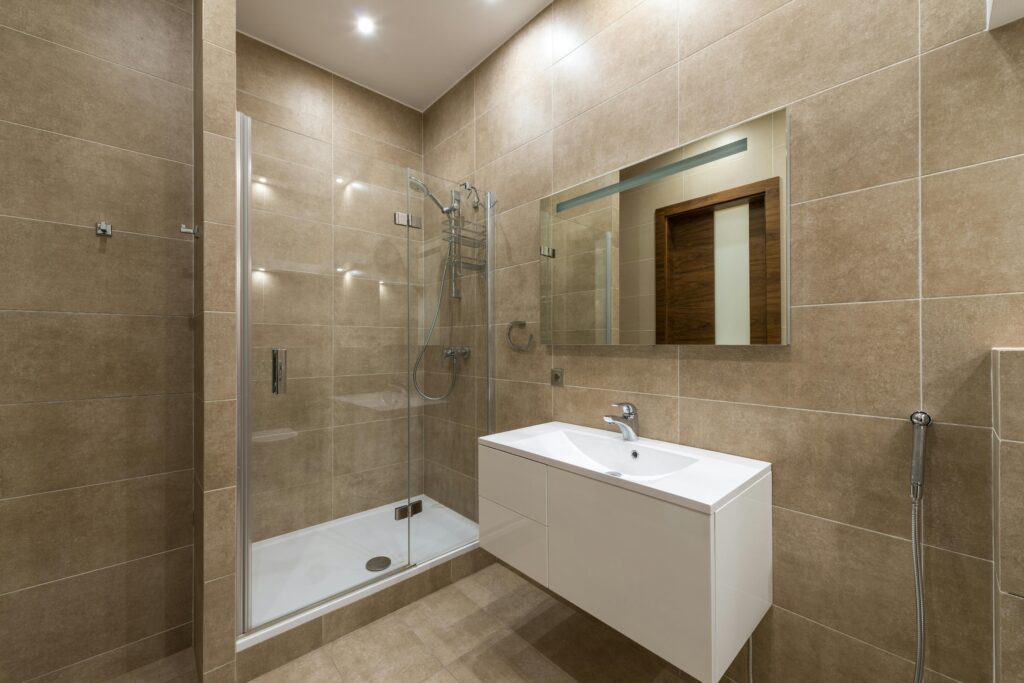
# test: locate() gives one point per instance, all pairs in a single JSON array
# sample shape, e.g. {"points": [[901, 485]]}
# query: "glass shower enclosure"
{"points": [[364, 345]]}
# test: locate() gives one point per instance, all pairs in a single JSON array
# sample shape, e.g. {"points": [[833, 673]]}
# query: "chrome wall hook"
{"points": [[194, 231], [508, 337]]}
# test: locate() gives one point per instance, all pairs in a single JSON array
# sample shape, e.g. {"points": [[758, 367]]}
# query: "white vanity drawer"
{"points": [[516, 483], [515, 539]]}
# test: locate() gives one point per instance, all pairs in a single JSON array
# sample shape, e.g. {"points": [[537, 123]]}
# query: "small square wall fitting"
{"points": [[105, 229], [557, 377]]}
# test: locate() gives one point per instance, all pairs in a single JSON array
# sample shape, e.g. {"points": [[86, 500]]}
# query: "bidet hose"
{"points": [[915, 539], [426, 342]]}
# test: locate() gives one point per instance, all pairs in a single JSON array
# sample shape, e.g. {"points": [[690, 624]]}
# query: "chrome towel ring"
{"points": [[508, 337]]}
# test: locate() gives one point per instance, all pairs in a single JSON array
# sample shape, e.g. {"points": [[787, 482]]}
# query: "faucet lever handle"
{"points": [[628, 409]]}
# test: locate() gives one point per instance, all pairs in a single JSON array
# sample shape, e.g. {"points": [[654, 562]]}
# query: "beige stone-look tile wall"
{"points": [[907, 125], [96, 463], [331, 286], [216, 339], [1008, 464]]}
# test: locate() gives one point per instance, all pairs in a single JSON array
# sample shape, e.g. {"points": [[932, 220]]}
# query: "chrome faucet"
{"points": [[628, 423]]}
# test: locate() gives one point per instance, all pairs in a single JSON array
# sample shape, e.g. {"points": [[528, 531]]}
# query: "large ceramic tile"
{"points": [[386, 651], [50, 626], [279, 650], [453, 489], [285, 243], [358, 491], [804, 47], [858, 135], [519, 61], [219, 23], [517, 603], [1011, 624], [505, 656], [218, 180], [368, 445], [309, 350], [366, 398], [92, 99], [70, 356], [958, 334], [869, 591], [102, 525], [379, 257], [216, 335], [218, 90], [218, 630], [370, 208], [281, 143], [641, 369], [283, 510], [973, 100], [376, 116], [365, 168], [861, 461], [289, 459], [316, 667], [637, 46], [65, 180], [1011, 517], [943, 21], [451, 112], [971, 226], [291, 190], [451, 445], [215, 444], [635, 124], [513, 121], [179, 667], [362, 302], [306, 405], [858, 358], [449, 623], [454, 157], [370, 350], [703, 22], [856, 247], [532, 365], [659, 418], [350, 140], [51, 446], [573, 22], [521, 404], [219, 537], [520, 176], [99, 29], [286, 297], [517, 293], [517, 236], [1010, 412], [282, 90], [215, 256], [54, 267]]}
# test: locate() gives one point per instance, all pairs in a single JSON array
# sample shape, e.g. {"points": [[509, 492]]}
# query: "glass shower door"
{"points": [[324, 413]]}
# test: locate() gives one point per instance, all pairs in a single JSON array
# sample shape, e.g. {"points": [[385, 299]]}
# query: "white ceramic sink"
{"points": [[693, 477]]}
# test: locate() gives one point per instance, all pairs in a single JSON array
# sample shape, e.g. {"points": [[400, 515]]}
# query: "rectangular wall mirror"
{"points": [[689, 247]]}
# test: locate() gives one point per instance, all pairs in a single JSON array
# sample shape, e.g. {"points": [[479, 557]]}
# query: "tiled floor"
{"points": [[491, 626], [178, 668]]}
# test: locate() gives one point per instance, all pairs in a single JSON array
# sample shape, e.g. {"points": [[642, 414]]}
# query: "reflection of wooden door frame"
{"points": [[771, 300]]}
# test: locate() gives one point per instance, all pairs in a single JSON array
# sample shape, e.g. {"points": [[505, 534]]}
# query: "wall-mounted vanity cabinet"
{"points": [[669, 545]]}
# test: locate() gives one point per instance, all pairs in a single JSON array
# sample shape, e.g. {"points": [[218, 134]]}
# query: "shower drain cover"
{"points": [[378, 564]]}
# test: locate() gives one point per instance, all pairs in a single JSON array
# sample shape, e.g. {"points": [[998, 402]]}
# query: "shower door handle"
{"points": [[279, 371]]}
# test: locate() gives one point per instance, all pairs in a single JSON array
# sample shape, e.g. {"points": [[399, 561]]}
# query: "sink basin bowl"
{"points": [[692, 477]]}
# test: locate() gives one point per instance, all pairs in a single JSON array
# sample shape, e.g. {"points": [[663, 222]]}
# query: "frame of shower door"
{"points": [[247, 633]]}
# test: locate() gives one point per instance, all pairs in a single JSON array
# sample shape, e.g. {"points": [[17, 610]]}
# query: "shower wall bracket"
{"points": [[407, 220], [194, 230], [104, 229]]}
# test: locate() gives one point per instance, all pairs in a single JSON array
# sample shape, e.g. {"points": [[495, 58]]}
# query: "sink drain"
{"points": [[613, 473], [378, 564]]}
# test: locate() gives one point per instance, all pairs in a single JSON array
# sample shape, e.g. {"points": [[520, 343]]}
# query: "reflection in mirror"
{"points": [[689, 247]]}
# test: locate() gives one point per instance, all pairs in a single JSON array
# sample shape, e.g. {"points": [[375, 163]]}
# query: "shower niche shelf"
{"points": [[670, 545]]}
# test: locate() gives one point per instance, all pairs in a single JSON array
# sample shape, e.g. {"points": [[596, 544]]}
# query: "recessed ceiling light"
{"points": [[366, 26], [339, 180]]}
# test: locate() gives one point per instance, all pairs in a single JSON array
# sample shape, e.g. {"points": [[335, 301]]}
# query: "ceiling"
{"points": [[420, 48]]}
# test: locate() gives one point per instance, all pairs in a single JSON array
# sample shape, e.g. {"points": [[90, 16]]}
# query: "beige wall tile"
{"points": [[50, 446], [365, 398], [281, 143], [224, 674], [368, 445], [856, 247], [973, 100], [958, 334], [282, 90], [370, 350], [573, 22], [102, 29], [519, 61], [533, 365], [218, 622], [65, 180], [645, 370], [370, 208], [218, 94], [69, 268], [283, 510], [453, 157], [100, 526], [92, 99], [215, 443], [217, 332], [353, 166], [362, 144], [869, 594], [520, 293], [218, 531], [306, 405], [659, 415], [216, 254], [218, 169], [452, 489], [291, 190], [1011, 517], [359, 491], [59, 623], [1011, 391], [633, 125], [971, 226], [219, 23], [303, 457], [517, 235], [360, 301], [514, 121], [279, 650], [804, 47], [702, 22], [375, 116], [121, 663], [68, 356], [858, 358], [521, 404], [452, 445], [309, 350], [520, 176], [315, 666], [451, 112], [290, 245], [943, 21], [636, 46], [858, 135], [862, 463], [1011, 624]]}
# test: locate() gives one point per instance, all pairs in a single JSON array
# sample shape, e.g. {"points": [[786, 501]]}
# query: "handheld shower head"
{"points": [[421, 186], [920, 421]]}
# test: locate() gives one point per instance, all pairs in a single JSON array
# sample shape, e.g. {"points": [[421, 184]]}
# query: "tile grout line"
{"points": [[120, 231], [94, 485]]}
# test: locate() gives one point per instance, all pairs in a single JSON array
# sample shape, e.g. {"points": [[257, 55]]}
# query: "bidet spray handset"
{"points": [[920, 420]]}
